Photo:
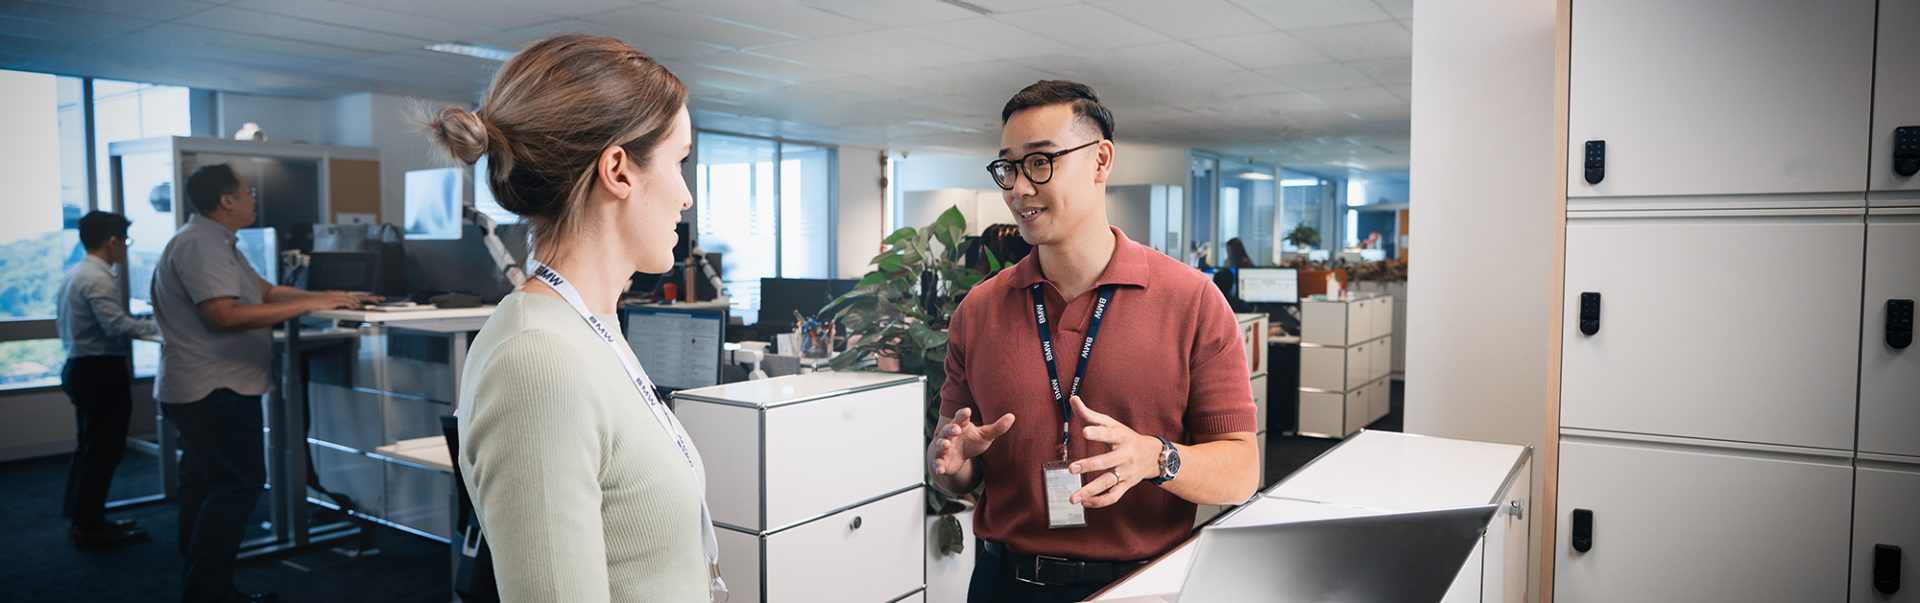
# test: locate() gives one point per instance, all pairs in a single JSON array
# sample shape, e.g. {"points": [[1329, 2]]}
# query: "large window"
{"points": [[1303, 200], [51, 182], [766, 206], [1247, 209]]}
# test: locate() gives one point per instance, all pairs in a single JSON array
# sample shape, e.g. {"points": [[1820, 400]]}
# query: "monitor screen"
{"points": [[1270, 285], [342, 271], [678, 347], [261, 247], [433, 203]]}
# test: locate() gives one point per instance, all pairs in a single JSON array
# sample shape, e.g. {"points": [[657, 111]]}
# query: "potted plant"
{"points": [[899, 313], [1303, 237]]}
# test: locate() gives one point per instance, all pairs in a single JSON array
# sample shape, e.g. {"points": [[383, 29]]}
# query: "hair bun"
{"points": [[462, 132]]}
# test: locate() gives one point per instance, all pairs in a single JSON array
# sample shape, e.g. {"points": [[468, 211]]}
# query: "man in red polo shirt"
{"points": [[1163, 418]]}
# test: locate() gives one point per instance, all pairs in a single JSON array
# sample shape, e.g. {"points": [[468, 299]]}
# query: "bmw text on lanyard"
{"points": [[1086, 352], [717, 588]]}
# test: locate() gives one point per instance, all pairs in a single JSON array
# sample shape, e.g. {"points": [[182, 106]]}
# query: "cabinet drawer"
{"points": [[1359, 409], [1715, 347], [1884, 501], [1324, 368], [1380, 358], [1323, 413], [1382, 316], [1359, 364], [1889, 377], [1360, 320], [1680, 523], [875, 448], [874, 552], [1323, 323]]}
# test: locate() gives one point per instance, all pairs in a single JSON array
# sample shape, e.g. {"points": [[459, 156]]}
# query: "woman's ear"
{"points": [[611, 172]]}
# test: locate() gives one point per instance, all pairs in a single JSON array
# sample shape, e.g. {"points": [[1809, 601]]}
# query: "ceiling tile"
{"points": [[906, 47], [699, 78], [653, 20], [893, 13], [65, 25], [1015, 6], [1399, 9], [492, 16], [1312, 78], [1188, 19], [1304, 14], [660, 47], [157, 10], [1361, 42], [1386, 71], [1263, 51], [369, 18], [822, 54], [993, 38], [1405, 92], [765, 67], [294, 28], [774, 15], [1083, 27], [1360, 98]]}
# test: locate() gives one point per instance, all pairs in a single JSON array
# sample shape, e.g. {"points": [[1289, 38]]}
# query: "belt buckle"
{"points": [[1037, 560]]}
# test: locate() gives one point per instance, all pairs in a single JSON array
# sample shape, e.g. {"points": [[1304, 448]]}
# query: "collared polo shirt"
{"points": [[201, 263], [1168, 362]]}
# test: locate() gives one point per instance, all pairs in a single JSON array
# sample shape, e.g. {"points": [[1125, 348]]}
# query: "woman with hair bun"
{"points": [[586, 486]]}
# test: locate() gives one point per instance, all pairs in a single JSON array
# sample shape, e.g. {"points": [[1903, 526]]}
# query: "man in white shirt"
{"points": [[94, 328]]}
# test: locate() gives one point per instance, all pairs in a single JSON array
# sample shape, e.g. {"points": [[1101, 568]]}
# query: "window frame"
{"points": [[779, 230]]}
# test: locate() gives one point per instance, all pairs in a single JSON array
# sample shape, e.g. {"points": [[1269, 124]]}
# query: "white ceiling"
{"points": [[1307, 83]]}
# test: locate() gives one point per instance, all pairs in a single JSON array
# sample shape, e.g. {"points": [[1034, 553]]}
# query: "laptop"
{"points": [[1395, 557]]}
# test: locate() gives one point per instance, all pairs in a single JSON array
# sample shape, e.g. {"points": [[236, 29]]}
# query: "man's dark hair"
{"points": [[207, 184], [1086, 104], [98, 226]]}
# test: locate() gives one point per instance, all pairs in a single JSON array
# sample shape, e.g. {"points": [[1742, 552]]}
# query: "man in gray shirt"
{"points": [[94, 327], [217, 316]]}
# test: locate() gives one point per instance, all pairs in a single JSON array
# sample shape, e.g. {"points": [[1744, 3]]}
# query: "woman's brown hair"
{"points": [[550, 112]]}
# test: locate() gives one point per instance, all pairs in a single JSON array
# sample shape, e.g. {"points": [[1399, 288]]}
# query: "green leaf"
{"points": [[993, 262], [899, 235], [892, 263]]}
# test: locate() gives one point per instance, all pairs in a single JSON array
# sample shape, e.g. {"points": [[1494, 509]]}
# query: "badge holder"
{"points": [[1062, 512]]}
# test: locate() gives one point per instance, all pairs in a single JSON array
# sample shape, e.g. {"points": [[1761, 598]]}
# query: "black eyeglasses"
{"points": [[1037, 166]]}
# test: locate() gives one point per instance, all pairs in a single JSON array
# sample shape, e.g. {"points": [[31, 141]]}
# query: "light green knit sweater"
{"points": [[581, 493]]}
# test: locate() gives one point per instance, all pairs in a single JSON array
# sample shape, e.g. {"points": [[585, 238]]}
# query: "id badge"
{"points": [[1062, 512]]}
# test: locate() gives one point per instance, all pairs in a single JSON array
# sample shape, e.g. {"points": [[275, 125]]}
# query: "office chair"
{"points": [[473, 581]]}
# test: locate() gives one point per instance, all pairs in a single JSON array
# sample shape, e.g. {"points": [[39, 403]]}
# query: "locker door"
{"points": [[1677, 523], [1884, 515], [1728, 328], [1721, 96], [1889, 377], [1896, 94]]}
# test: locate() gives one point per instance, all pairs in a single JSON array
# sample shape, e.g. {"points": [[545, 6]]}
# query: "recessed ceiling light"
{"points": [[478, 51], [1252, 175]]}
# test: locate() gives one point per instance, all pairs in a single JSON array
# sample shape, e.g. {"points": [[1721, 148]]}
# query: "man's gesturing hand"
{"points": [[960, 440], [1133, 457]]}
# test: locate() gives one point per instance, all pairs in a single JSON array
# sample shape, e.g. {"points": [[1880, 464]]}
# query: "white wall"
{"points": [[1483, 161], [1135, 163], [859, 208], [285, 119]]}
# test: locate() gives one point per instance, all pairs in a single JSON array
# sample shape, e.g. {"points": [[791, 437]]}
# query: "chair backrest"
{"points": [[473, 581]]}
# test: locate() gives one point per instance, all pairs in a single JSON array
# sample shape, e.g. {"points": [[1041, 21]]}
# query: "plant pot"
{"points": [[948, 575]]}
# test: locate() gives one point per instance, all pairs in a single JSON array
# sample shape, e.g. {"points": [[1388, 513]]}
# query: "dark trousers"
{"points": [[100, 388], [993, 582], [222, 473]]}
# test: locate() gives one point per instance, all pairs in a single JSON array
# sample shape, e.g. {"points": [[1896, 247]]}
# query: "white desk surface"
{"points": [[1371, 473], [778, 391], [430, 451], [384, 317]]}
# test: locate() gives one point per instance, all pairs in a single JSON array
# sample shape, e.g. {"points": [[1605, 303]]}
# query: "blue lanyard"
{"points": [[1086, 352]]}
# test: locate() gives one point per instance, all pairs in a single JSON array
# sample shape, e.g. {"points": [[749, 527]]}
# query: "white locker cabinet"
{"points": [[1728, 328], [875, 552], [1683, 523], [1890, 377], [1722, 97], [1886, 497], [763, 450], [1339, 322], [1896, 96], [1259, 385], [1253, 336]]}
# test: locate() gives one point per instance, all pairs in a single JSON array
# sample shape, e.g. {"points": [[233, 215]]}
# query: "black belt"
{"points": [[1060, 571]]}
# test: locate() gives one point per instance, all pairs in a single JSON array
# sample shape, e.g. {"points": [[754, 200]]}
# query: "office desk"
{"points": [[1384, 472], [288, 424]]}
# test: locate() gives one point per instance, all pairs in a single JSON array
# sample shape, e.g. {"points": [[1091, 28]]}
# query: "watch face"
{"points": [[1172, 467]]}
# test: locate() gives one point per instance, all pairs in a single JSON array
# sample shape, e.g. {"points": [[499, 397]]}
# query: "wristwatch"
{"points": [[1169, 463]]}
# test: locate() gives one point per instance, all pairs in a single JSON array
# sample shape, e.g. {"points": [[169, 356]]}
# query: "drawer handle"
{"points": [[1513, 509], [855, 525]]}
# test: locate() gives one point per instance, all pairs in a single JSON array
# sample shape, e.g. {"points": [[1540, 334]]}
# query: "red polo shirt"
{"points": [[1168, 362]]}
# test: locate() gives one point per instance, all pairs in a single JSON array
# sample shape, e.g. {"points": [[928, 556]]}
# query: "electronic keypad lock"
{"points": [[1596, 161], [1906, 150], [1589, 313], [1886, 568], [1582, 530], [1899, 323]]}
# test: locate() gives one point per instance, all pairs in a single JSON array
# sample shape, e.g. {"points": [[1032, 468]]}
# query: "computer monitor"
{"points": [[343, 271], [679, 347], [1270, 285], [261, 247]]}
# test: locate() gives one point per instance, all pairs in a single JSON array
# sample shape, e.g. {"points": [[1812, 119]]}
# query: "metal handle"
{"points": [[1514, 510]]}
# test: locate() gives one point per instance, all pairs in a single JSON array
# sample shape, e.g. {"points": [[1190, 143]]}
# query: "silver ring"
{"points": [[1116, 474]]}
